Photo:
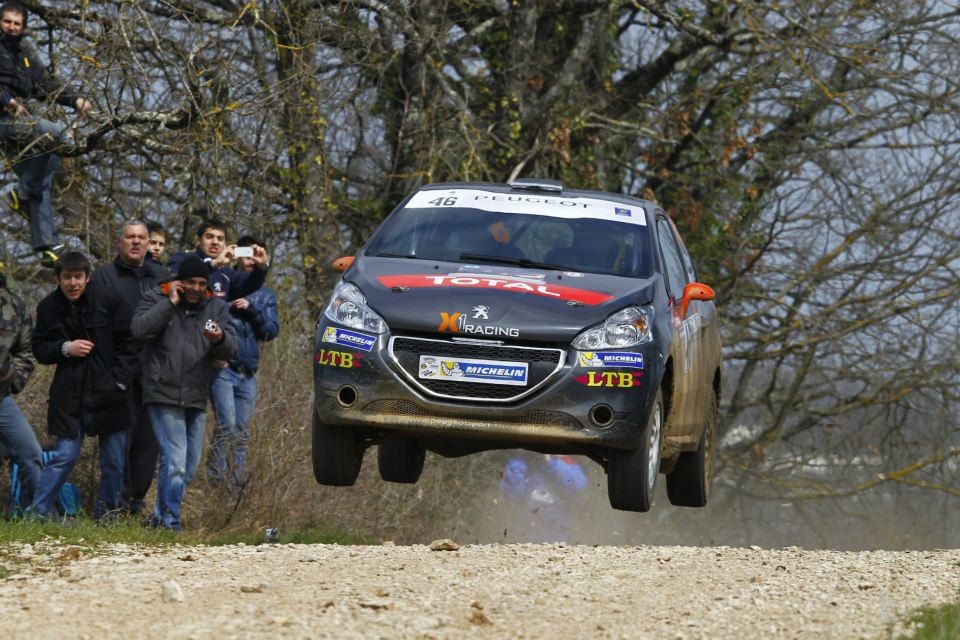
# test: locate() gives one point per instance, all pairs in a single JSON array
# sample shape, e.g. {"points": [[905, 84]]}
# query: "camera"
{"points": [[210, 325], [243, 252]]}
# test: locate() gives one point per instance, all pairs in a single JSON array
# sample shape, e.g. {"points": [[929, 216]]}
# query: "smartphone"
{"points": [[244, 252]]}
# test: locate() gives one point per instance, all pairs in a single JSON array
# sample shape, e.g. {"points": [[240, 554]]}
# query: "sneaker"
{"points": [[50, 255]]}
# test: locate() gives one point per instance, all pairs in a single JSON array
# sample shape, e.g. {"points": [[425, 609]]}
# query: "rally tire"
{"points": [[400, 459], [337, 454], [632, 473], [691, 480]]}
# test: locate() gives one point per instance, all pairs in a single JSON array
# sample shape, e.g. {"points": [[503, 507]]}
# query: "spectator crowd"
{"points": [[139, 347]]}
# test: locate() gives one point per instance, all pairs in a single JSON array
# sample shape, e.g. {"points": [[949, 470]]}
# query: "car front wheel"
{"points": [[337, 454], [632, 473], [689, 484]]}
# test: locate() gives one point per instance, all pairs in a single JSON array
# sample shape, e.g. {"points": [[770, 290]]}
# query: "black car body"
{"points": [[485, 316]]}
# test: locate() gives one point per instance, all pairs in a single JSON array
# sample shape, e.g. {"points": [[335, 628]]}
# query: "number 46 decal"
{"points": [[444, 202]]}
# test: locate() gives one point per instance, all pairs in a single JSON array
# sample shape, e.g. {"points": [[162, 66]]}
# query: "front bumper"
{"points": [[374, 386]]}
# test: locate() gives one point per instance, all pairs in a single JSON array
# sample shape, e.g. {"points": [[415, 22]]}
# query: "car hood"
{"points": [[491, 301]]}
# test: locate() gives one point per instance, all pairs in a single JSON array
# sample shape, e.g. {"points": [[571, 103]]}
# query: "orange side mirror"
{"points": [[694, 291], [342, 264]]}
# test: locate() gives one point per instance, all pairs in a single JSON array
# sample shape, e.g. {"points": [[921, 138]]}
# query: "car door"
{"points": [[707, 348], [685, 414]]}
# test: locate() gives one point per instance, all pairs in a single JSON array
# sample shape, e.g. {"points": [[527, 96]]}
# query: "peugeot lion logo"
{"points": [[480, 312]]}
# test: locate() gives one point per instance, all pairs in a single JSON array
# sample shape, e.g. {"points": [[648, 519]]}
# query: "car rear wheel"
{"points": [[400, 459], [632, 473], [337, 454], [689, 484]]}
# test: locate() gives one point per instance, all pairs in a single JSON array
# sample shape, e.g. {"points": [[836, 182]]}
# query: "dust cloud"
{"points": [[889, 517]]}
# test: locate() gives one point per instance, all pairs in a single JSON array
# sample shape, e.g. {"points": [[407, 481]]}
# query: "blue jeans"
{"points": [[54, 474], [113, 456], [179, 433], [113, 447], [233, 395], [36, 170], [18, 442]]}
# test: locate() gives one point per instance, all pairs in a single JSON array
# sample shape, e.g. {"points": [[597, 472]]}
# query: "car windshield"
{"points": [[528, 238]]}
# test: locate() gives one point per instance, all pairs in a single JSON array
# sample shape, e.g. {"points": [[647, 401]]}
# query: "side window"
{"points": [[675, 271], [684, 254]]}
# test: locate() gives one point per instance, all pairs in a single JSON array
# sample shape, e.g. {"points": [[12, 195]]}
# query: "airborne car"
{"points": [[523, 315]]}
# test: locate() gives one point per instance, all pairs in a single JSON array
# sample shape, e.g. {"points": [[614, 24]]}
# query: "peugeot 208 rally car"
{"points": [[525, 315]]}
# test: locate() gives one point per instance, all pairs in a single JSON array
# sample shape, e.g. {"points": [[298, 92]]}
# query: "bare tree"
{"points": [[807, 151]]}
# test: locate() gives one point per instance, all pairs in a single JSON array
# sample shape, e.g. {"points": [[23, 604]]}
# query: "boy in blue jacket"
{"points": [[234, 389]]}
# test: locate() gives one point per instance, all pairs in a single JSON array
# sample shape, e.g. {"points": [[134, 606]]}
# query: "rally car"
{"points": [[524, 315]]}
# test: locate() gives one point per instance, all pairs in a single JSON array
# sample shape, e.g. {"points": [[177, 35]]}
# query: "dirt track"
{"points": [[478, 591]]}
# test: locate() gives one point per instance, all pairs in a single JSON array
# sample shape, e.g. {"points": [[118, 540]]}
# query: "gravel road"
{"points": [[476, 591]]}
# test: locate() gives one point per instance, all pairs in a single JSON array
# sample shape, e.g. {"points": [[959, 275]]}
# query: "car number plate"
{"points": [[471, 370]]}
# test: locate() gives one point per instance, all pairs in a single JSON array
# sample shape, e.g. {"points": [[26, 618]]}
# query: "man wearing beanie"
{"points": [[185, 330]]}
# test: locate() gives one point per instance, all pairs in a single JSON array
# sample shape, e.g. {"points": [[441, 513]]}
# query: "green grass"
{"points": [[82, 532], [935, 623], [86, 533]]}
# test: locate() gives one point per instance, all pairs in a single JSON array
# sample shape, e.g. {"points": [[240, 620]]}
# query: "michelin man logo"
{"points": [[451, 369], [590, 359]]}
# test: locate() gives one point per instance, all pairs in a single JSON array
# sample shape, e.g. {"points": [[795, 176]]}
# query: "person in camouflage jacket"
{"points": [[17, 440]]}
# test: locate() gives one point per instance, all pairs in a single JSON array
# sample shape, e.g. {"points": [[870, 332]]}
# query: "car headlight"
{"points": [[626, 328], [349, 308]]}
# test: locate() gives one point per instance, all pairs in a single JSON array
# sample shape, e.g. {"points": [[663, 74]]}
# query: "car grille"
{"points": [[543, 363]]}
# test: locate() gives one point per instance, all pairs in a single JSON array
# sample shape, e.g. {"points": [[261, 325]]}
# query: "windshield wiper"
{"points": [[520, 262], [394, 255]]}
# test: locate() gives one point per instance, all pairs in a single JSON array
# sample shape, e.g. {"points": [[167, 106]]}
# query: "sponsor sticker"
{"points": [[339, 359], [457, 323], [471, 370], [524, 203], [346, 338], [610, 359], [616, 379], [500, 283]]}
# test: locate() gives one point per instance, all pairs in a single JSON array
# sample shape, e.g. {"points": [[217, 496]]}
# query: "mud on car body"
{"points": [[522, 315]]}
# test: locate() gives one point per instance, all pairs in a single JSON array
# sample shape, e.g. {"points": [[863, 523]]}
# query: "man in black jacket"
{"points": [[119, 287], [22, 77], [90, 394], [186, 330]]}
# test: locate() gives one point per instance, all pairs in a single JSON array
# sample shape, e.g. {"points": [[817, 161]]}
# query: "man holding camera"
{"points": [[234, 390], [225, 281], [185, 331]]}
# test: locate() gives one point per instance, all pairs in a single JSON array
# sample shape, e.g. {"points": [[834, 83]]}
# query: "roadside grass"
{"points": [[85, 533], [933, 623]]}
